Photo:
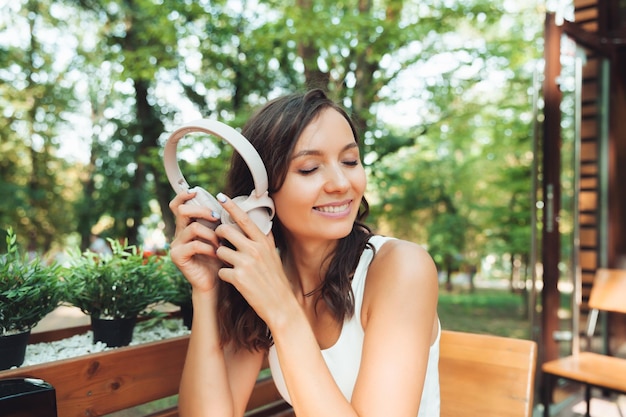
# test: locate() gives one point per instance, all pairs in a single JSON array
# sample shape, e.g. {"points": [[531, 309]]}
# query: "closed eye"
{"points": [[351, 163], [307, 171]]}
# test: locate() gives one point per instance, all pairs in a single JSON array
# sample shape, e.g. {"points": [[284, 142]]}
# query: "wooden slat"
{"points": [[264, 393], [591, 26], [588, 237], [275, 409], [589, 129], [589, 149], [588, 200], [588, 219], [591, 368], [486, 376], [587, 278], [168, 412], [588, 259], [609, 290], [586, 15], [589, 183], [589, 168], [580, 4]]}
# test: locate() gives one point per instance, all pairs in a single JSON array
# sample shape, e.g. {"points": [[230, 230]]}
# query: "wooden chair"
{"points": [[608, 293], [486, 376]]}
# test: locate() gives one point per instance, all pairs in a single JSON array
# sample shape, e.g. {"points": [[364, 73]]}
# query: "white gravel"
{"points": [[82, 344]]}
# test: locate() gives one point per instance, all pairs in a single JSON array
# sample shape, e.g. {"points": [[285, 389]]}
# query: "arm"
{"points": [[215, 381], [400, 323]]}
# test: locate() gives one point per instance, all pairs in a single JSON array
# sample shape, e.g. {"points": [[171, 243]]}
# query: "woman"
{"points": [[348, 318]]}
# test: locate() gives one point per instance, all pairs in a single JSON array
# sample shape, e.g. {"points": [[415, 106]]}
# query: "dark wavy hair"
{"points": [[274, 131]]}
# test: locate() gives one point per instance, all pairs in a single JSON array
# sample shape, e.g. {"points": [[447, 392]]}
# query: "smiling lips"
{"points": [[333, 209]]}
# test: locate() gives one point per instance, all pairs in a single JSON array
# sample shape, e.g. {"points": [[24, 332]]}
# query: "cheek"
{"points": [[291, 198], [359, 183]]}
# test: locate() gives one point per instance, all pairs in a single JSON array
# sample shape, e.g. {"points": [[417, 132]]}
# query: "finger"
{"points": [[181, 254], [187, 213], [228, 254], [197, 231], [179, 200], [239, 217], [193, 212], [227, 275]]}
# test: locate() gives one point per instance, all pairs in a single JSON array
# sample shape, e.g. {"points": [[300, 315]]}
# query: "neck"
{"points": [[306, 265]]}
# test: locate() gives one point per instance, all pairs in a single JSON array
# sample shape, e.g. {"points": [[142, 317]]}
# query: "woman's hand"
{"points": [[193, 249], [254, 267]]}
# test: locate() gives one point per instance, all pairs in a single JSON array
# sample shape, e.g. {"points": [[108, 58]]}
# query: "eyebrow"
{"points": [[315, 152]]}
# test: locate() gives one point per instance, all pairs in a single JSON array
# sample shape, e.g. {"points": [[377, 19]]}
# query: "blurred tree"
{"points": [[439, 90], [35, 96], [468, 188], [136, 41]]}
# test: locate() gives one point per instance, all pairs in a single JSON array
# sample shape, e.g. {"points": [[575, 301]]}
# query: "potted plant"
{"points": [[181, 291], [29, 290], [115, 289]]}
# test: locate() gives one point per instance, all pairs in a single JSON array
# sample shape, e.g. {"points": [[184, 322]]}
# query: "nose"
{"points": [[337, 180]]}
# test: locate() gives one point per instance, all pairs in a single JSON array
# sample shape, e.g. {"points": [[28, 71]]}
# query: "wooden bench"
{"points": [[481, 375], [608, 293]]}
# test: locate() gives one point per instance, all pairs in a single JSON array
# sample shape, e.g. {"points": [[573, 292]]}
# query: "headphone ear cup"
{"points": [[204, 199], [261, 218], [260, 210]]}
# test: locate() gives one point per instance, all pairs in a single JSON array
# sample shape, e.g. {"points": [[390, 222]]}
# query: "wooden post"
{"points": [[551, 169]]}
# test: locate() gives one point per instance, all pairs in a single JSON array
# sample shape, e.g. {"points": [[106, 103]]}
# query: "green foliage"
{"points": [[121, 285], [181, 291], [451, 170], [29, 289], [487, 311], [36, 95]]}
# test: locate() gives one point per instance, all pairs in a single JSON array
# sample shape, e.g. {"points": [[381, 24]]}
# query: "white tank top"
{"points": [[344, 357]]}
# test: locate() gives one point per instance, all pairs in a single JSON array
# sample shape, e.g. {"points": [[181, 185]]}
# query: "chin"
{"points": [[338, 233]]}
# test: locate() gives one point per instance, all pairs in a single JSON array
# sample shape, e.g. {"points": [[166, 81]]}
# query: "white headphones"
{"points": [[258, 204]]}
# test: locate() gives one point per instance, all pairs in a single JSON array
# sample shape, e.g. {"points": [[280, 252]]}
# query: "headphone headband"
{"points": [[224, 131]]}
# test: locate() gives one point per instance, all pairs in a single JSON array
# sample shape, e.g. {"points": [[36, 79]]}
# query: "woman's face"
{"points": [[325, 181]]}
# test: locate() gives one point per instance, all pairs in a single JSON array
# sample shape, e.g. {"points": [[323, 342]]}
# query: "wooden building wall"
{"points": [[586, 17], [599, 27], [602, 193]]}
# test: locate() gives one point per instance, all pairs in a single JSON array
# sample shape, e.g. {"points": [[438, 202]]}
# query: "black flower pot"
{"points": [[113, 332], [186, 311], [13, 350]]}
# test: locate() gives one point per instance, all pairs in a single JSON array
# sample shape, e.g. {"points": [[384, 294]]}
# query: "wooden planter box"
{"points": [[106, 382]]}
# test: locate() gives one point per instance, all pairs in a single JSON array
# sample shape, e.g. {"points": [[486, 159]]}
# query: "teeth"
{"points": [[333, 209]]}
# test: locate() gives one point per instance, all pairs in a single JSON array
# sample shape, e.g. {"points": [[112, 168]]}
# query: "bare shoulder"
{"points": [[401, 271], [400, 259]]}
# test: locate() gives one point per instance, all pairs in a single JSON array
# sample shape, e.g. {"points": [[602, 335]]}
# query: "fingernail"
{"points": [[215, 214], [221, 197]]}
